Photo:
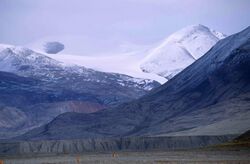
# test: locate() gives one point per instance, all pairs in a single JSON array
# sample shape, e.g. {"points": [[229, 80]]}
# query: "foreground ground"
{"points": [[183, 157]]}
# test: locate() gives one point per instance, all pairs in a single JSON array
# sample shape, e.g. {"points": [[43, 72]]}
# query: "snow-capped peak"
{"points": [[4, 46], [180, 49], [13, 58], [26, 62], [197, 39], [191, 30]]}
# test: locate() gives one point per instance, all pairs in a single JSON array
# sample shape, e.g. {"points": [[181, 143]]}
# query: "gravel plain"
{"points": [[152, 157]]}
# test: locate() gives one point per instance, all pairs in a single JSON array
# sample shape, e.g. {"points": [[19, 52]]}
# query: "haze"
{"points": [[91, 27]]}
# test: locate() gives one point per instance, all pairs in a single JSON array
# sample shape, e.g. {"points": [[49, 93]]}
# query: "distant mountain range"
{"points": [[209, 97], [45, 97], [36, 88], [158, 62]]}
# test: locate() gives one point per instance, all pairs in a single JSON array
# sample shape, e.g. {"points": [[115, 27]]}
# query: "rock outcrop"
{"points": [[109, 144]]}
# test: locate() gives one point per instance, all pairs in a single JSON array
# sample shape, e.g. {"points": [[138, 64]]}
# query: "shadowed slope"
{"points": [[212, 96]]}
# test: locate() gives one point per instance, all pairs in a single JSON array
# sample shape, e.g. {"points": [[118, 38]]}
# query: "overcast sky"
{"points": [[107, 23]]}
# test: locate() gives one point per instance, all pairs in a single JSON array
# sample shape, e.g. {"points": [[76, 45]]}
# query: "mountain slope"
{"points": [[26, 103], [210, 97], [27, 63], [127, 63], [180, 50], [39, 88]]}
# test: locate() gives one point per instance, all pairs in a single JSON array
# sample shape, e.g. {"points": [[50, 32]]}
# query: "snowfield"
{"points": [[180, 50], [155, 62], [124, 64]]}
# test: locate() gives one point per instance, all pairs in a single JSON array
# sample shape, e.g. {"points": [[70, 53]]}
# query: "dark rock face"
{"points": [[26, 103], [109, 144], [245, 137], [53, 47], [210, 97]]}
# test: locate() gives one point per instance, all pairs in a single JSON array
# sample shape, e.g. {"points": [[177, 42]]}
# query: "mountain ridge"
{"points": [[44, 88], [212, 92]]}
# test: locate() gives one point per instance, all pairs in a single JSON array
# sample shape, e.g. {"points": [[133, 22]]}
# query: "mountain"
{"points": [[27, 63], [156, 62], [26, 103], [243, 137], [210, 97], [36, 88], [179, 50], [241, 142], [153, 61], [125, 63]]}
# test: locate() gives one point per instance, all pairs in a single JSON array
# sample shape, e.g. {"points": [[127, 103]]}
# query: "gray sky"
{"points": [[107, 24]]}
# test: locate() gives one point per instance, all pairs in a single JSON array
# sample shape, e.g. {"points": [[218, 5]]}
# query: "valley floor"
{"points": [[158, 157]]}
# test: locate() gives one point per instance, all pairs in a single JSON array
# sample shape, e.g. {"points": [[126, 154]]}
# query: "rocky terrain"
{"points": [[110, 144], [210, 97], [241, 143], [34, 89], [243, 137]]}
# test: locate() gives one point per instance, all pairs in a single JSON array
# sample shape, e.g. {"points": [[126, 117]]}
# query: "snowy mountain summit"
{"points": [[28, 63], [179, 50], [36, 88]]}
